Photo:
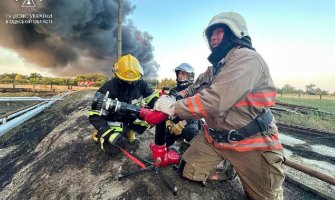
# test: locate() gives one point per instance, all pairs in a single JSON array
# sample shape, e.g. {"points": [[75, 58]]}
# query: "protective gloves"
{"points": [[165, 104], [169, 125], [178, 128]]}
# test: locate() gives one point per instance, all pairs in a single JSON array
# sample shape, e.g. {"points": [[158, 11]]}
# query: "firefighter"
{"points": [[233, 96], [117, 129], [166, 133], [182, 129]]}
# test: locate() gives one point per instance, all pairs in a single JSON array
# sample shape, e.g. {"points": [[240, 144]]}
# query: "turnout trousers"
{"points": [[261, 172]]}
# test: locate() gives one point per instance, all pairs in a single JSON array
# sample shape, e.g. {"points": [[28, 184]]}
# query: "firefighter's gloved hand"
{"points": [[152, 117], [169, 125], [165, 104], [178, 128]]}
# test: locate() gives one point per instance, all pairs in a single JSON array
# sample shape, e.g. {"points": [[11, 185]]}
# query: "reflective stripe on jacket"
{"points": [[240, 92], [258, 142]]}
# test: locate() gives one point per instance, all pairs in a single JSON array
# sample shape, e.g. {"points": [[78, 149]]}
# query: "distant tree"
{"points": [[166, 82], [19, 78], [80, 78], [153, 83], [35, 78], [98, 78], [310, 89], [287, 89], [300, 91], [99, 83], [46, 81], [7, 78], [278, 90], [69, 81]]}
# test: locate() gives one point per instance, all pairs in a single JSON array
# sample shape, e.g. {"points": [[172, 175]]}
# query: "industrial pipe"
{"points": [[311, 172], [15, 113], [24, 117]]}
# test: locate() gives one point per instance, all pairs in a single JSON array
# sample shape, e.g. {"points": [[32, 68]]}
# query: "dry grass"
{"points": [[324, 105], [325, 121], [306, 96]]}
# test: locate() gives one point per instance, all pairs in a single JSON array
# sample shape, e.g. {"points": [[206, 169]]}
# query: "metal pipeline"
{"points": [[311, 172], [18, 112], [27, 115]]}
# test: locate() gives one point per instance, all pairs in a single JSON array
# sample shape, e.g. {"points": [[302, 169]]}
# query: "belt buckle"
{"points": [[233, 131]]}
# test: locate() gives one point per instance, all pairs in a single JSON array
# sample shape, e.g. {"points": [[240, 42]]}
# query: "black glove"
{"points": [[129, 109]]}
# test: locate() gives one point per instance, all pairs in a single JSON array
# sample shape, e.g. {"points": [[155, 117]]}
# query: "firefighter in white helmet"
{"points": [[233, 96], [178, 129]]}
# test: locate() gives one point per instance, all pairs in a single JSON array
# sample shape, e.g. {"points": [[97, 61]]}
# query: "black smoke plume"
{"points": [[82, 37]]}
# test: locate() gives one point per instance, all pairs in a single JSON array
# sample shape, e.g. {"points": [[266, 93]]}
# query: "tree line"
{"points": [[37, 79], [99, 79], [311, 89]]}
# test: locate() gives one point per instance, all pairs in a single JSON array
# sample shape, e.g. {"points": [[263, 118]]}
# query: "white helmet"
{"points": [[185, 67], [233, 20]]}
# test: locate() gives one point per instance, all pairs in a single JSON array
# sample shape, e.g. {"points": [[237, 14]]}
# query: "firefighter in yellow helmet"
{"points": [[118, 129], [128, 69]]}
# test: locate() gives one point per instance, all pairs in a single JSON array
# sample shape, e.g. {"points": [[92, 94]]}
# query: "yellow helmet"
{"points": [[128, 68]]}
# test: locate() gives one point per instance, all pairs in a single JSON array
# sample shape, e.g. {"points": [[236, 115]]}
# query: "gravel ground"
{"points": [[315, 153]]}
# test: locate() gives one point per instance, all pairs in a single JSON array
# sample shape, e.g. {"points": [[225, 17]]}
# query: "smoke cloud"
{"points": [[82, 37]]}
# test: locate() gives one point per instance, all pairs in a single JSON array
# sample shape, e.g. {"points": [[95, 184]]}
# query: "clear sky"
{"points": [[295, 37]]}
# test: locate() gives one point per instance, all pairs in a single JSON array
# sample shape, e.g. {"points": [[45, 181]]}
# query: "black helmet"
{"points": [[185, 67]]}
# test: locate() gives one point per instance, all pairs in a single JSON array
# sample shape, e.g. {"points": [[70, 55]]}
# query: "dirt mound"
{"points": [[52, 156]]}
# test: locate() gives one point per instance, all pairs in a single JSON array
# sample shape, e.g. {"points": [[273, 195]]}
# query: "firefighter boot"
{"points": [[162, 157], [133, 141]]}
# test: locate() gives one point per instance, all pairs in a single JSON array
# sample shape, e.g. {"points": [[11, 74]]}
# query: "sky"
{"points": [[296, 38]]}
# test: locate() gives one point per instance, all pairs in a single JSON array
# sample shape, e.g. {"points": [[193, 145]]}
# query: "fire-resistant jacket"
{"points": [[240, 91], [129, 93]]}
